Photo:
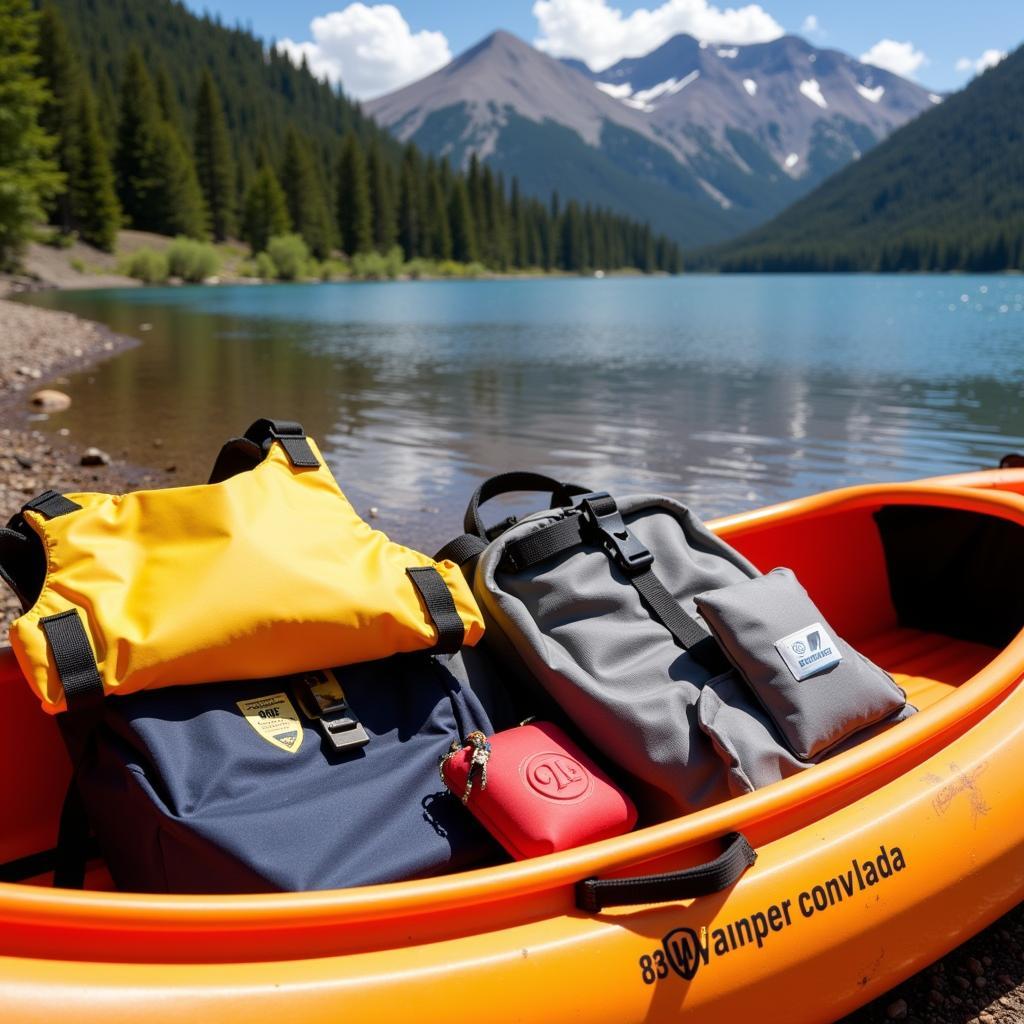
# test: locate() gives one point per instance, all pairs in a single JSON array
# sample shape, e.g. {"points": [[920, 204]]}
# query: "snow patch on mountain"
{"points": [[871, 95], [643, 99], [809, 87], [617, 92], [792, 160], [729, 52], [751, 86]]}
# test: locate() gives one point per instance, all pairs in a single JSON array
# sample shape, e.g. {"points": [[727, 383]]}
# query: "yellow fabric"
{"points": [[267, 573]]}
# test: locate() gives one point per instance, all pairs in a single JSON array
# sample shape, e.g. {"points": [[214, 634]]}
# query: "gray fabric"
{"points": [[827, 705], [579, 628], [748, 742], [576, 625]]}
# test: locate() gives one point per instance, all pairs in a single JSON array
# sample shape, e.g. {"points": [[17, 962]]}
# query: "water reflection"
{"points": [[730, 392]]}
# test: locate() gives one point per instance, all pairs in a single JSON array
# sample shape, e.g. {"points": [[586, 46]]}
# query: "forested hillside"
{"points": [[163, 121], [946, 192]]}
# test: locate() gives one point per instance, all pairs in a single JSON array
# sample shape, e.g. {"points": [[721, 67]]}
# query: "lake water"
{"points": [[730, 392]]}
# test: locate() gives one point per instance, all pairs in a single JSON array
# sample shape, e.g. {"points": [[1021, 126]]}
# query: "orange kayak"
{"points": [[870, 865]]}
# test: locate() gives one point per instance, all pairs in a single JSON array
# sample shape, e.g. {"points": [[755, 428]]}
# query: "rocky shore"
{"points": [[37, 345]]}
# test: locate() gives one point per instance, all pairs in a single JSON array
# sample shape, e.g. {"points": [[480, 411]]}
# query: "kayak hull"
{"points": [[869, 867]]}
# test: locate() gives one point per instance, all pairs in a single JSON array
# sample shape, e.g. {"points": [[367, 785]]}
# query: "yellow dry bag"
{"points": [[265, 571]]}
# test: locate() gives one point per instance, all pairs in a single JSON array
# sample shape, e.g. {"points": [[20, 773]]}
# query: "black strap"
{"points": [[685, 630], [73, 842], [440, 607], [75, 661], [510, 483], [605, 528], [539, 546], [51, 504], [291, 437], [594, 894], [239, 455], [461, 549]]}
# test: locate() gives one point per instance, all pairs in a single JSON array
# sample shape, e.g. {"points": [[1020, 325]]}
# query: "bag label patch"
{"points": [[808, 651], [275, 720]]}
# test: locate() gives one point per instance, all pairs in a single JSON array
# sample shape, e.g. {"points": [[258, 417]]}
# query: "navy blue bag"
{"points": [[243, 787]]}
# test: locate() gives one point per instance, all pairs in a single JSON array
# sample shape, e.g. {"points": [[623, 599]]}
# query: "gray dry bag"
{"points": [[595, 600]]}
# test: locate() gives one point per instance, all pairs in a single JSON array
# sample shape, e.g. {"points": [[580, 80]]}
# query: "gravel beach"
{"points": [[37, 345], [981, 982]]}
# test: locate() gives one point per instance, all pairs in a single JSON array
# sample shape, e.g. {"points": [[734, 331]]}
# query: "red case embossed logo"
{"points": [[557, 776]]}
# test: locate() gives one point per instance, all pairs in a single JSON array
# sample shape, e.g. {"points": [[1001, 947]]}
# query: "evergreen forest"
{"points": [[944, 193], [137, 113]]}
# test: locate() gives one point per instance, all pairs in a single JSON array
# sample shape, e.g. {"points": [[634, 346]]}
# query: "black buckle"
{"points": [[322, 699], [612, 533]]}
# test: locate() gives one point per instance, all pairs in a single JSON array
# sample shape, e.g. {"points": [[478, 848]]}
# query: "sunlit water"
{"points": [[731, 392]]}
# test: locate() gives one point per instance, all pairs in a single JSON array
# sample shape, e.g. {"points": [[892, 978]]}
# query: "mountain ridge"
{"points": [[711, 140]]}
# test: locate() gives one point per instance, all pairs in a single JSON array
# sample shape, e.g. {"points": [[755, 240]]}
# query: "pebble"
{"points": [[897, 1010], [51, 400], [94, 457], [374, 512], [22, 460], [980, 981], [974, 966]]}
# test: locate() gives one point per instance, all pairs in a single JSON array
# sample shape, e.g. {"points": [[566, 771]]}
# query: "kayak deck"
{"points": [[929, 666]]}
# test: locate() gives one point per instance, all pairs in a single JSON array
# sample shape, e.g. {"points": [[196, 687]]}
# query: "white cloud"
{"points": [[899, 58], [369, 50], [989, 59], [810, 25], [600, 34]]}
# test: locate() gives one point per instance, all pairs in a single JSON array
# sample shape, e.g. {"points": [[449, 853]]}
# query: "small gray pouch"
{"points": [[817, 689]]}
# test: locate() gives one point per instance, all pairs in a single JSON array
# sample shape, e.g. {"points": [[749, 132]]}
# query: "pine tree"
{"points": [[95, 211], [381, 198], [214, 165], [59, 71], [355, 221], [156, 178], [410, 224], [265, 210], [166, 99], [303, 190], [460, 217], [176, 204], [136, 140], [28, 175], [439, 233]]}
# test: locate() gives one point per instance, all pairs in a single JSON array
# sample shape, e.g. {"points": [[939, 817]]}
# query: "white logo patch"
{"points": [[808, 651]]}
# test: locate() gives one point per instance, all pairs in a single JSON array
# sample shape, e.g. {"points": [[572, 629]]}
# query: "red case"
{"points": [[543, 793]]}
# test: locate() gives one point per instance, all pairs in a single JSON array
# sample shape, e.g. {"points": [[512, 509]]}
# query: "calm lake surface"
{"points": [[730, 392]]}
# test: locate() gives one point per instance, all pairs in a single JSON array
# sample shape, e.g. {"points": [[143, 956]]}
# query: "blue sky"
{"points": [[372, 48]]}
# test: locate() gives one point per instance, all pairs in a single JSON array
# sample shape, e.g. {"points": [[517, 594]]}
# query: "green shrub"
{"points": [[191, 260], [332, 270], [265, 268], [290, 256], [375, 266], [146, 265], [78, 265]]}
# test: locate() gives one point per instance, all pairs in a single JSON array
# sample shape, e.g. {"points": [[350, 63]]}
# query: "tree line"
{"points": [[138, 154]]}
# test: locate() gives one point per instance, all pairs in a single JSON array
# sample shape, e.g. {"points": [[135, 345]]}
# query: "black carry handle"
{"points": [[594, 894], [510, 483], [242, 454], [1014, 460]]}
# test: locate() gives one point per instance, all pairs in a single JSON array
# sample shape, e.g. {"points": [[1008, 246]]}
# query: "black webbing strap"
{"points": [[600, 523], [74, 847], [75, 661], [461, 549], [440, 607], [512, 483], [51, 504], [543, 544], [686, 631], [291, 437], [594, 894]]}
